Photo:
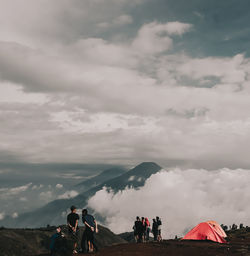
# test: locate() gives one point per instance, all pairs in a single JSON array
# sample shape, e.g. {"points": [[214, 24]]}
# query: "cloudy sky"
{"points": [[119, 81]]}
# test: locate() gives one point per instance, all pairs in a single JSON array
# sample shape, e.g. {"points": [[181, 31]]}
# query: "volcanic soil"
{"points": [[176, 248]]}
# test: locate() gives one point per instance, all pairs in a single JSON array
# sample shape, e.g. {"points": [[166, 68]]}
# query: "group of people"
{"points": [[142, 229], [87, 241], [88, 235]]}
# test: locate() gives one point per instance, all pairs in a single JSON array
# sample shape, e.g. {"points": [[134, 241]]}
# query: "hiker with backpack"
{"points": [[72, 221]]}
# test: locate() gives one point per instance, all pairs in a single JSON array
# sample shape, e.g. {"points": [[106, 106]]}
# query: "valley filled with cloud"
{"points": [[181, 198]]}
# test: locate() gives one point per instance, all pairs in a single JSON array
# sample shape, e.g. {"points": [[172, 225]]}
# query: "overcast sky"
{"points": [[120, 81]]}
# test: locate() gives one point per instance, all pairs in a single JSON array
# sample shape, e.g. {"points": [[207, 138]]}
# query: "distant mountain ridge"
{"points": [[54, 213], [136, 177], [99, 179]]}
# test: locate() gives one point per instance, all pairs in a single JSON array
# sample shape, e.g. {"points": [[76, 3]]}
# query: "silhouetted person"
{"points": [[155, 229], [88, 234], [138, 227], [144, 228], [72, 220], [159, 223], [147, 228]]}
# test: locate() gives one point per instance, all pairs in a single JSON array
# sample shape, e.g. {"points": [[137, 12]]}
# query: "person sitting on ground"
{"points": [[72, 220], [159, 223], [57, 243], [155, 229], [90, 228]]}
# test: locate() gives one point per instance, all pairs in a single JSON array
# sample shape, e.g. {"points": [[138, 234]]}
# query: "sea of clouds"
{"points": [[181, 198]]}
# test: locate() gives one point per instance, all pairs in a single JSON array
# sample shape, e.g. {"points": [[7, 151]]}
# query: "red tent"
{"points": [[205, 231], [217, 227]]}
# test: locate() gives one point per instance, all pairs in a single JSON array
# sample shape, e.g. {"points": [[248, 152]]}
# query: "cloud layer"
{"points": [[181, 198], [117, 88]]}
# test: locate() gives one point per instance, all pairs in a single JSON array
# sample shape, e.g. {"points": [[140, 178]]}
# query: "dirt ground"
{"points": [[176, 248], [238, 245]]}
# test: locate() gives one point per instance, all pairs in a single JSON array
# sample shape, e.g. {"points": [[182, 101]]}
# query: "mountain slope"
{"points": [[54, 213], [99, 179], [24, 242], [135, 178]]}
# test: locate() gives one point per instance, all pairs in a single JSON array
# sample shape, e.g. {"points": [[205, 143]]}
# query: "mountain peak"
{"points": [[146, 168], [148, 165]]}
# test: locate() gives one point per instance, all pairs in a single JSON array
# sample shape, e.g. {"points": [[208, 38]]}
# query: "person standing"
{"points": [[159, 223], [147, 228], [72, 221], [90, 229], [138, 229], [155, 229], [144, 229]]}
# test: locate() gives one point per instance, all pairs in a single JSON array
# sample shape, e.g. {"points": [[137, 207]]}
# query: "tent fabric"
{"points": [[217, 227], [204, 231]]}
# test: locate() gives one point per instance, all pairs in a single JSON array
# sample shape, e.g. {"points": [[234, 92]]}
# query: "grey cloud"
{"points": [[168, 103], [45, 22], [31, 69], [188, 113]]}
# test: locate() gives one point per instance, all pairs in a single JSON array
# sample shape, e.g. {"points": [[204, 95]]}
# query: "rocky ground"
{"points": [[14, 242], [176, 248], [238, 245], [30, 242]]}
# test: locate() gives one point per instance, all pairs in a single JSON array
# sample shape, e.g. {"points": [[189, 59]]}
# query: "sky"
{"points": [[121, 82]]}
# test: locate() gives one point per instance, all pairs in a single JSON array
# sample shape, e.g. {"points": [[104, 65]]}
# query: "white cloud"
{"points": [[37, 187], [118, 21], [2, 215], [176, 28], [14, 215], [131, 178], [54, 21], [150, 39], [59, 186], [154, 37], [64, 214], [71, 176], [14, 94], [23, 199], [229, 70], [181, 198], [46, 195], [8, 192], [68, 194]]}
